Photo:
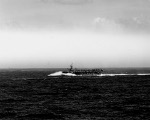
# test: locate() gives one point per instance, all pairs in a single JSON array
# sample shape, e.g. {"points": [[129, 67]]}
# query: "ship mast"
{"points": [[71, 68]]}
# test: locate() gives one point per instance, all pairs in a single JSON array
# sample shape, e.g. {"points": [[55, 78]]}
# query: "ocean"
{"points": [[117, 94]]}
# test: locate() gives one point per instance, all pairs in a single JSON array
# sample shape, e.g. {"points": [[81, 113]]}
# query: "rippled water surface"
{"points": [[30, 94]]}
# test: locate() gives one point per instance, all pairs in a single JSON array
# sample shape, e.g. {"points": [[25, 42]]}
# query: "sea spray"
{"points": [[60, 73]]}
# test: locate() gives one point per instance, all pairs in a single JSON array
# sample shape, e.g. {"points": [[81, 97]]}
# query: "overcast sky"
{"points": [[89, 33]]}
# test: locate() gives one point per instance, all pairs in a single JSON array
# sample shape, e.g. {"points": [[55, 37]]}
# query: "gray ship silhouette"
{"points": [[84, 72]]}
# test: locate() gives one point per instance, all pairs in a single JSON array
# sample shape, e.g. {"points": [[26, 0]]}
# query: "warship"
{"points": [[77, 72], [84, 72]]}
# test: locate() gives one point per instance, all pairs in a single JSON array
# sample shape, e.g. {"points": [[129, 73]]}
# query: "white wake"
{"points": [[60, 73], [142, 74]]}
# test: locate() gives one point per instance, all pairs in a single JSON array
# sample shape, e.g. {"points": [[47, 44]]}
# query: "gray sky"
{"points": [[89, 33]]}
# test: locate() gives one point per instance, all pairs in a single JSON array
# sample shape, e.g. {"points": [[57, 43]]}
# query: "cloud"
{"points": [[106, 25], [10, 24], [69, 2], [136, 23], [137, 20]]}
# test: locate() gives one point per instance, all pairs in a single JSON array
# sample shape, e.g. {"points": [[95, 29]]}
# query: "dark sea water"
{"points": [[29, 94]]}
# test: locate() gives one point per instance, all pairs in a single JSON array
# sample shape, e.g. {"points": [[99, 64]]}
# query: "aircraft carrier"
{"points": [[84, 72]]}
